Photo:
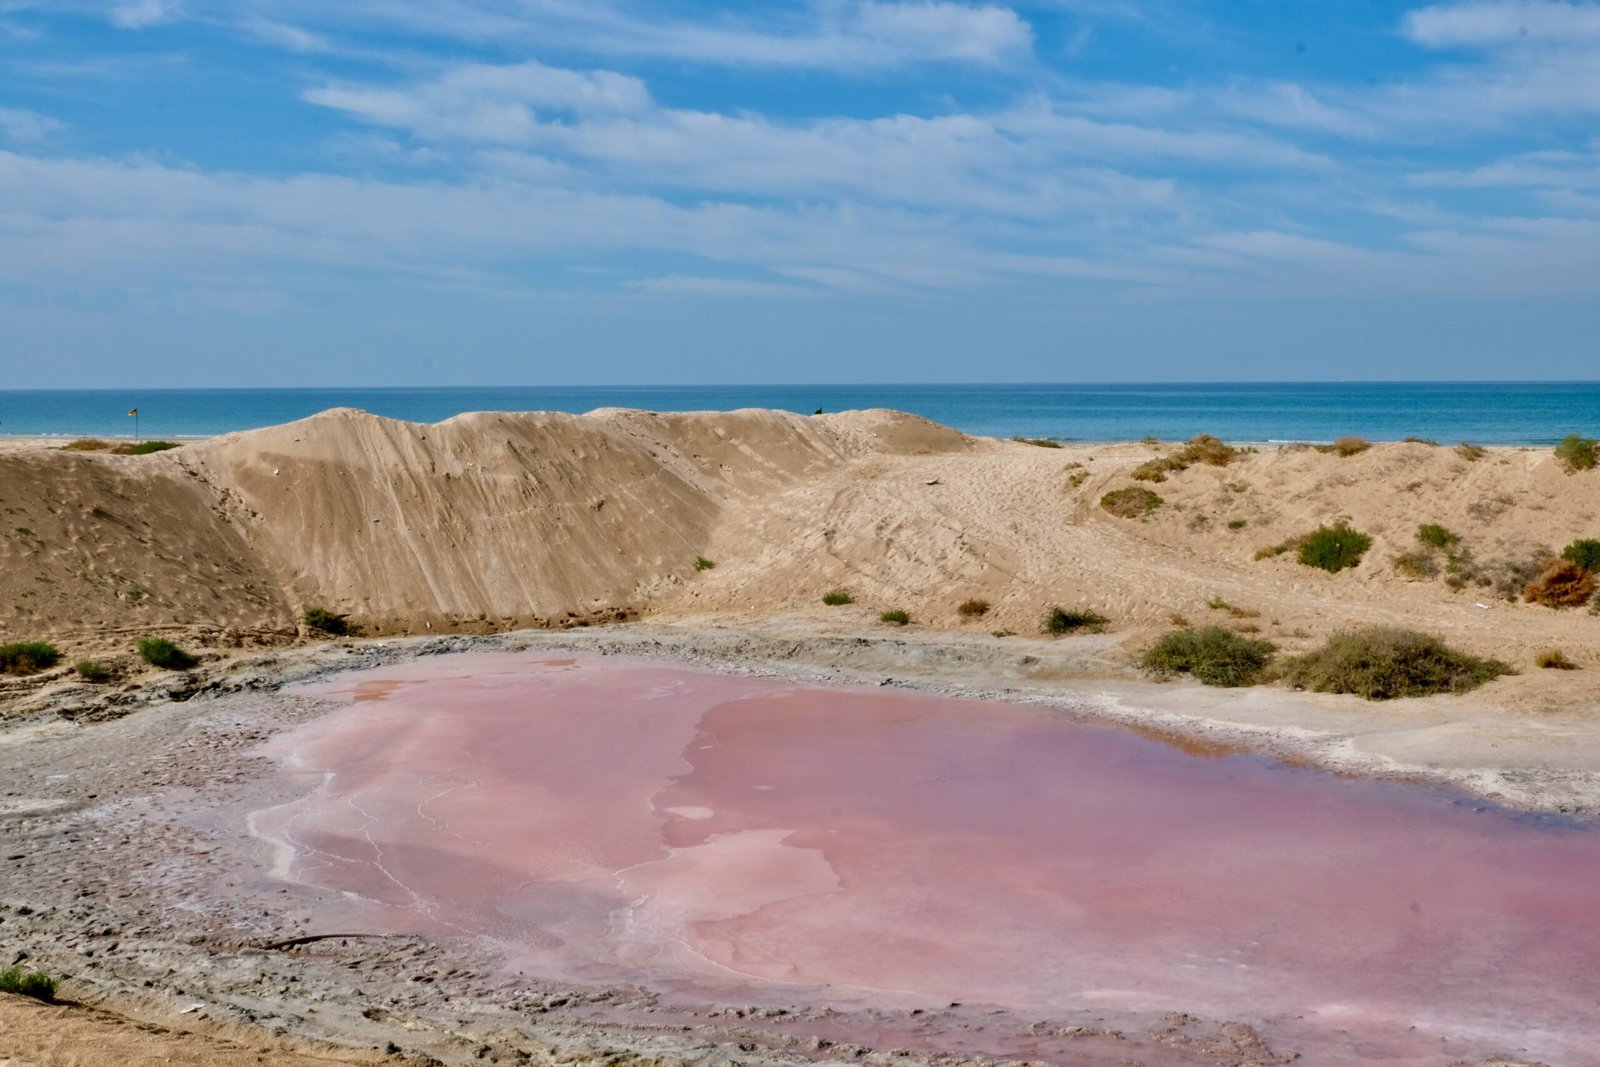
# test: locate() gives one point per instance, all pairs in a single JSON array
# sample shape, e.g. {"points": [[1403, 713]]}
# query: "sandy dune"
{"points": [[494, 521]]}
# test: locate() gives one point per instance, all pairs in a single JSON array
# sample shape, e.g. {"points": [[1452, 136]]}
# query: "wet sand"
{"points": [[728, 840]]}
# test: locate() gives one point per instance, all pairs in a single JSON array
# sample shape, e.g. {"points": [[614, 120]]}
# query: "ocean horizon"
{"points": [[1490, 413]]}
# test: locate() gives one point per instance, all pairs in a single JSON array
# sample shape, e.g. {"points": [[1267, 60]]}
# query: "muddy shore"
{"points": [[131, 876]]}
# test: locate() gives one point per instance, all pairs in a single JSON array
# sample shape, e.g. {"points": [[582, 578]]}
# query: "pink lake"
{"points": [[719, 839]]}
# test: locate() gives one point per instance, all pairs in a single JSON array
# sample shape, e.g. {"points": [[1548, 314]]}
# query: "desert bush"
{"points": [[1131, 503], [895, 616], [1333, 548], [326, 622], [33, 984], [1381, 663], [86, 444], [1237, 524], [28, 657], [1414, 440], [1561, 584], [1214, 656], [1585, 552], [1201, 448], [1062, 621], [92, 670], [836, 597], [1350, 446], [1553, 659], [1578, 453], [1204, 448], [1268, 551], [1471, 452], [703, 564], [143, 448], [1437, 536], [1151, 470], [160, 652], [1418, 564], [971, 609], [1040, 442]]}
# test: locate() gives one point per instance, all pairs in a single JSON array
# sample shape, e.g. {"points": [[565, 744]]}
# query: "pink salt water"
{"points": [[613, 821]]}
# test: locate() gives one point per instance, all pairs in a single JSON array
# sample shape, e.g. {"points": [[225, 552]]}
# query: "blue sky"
{"points": [[415, 192]]}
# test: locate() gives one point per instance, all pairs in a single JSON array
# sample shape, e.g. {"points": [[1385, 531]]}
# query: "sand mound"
{"points": [[495, 520]]}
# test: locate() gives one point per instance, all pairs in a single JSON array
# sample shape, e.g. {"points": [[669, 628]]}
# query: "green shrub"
{"points": [[1237, 524], [1561, 584], [896, 616], [86, 444], [1214, 656], [1062, 621], [144, 448], [36, 985], [1437, 536], [160, 652], [1585, 552], [1041, 442], [703, 564], [1131, 503], [1333, 548], [326, 622], [28, 657], [836, 597], [972, 609], [92, 670], [1380, 663], [1578, 453]]}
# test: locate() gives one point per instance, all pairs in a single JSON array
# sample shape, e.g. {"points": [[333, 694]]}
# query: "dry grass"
{"points": [[972, 609], [1471, 452], [1553, 659], [1350, 446], [1201, 448], [1561, 584]]}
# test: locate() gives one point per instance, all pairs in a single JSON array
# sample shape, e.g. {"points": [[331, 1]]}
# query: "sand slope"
{"points": [[490, 521]]}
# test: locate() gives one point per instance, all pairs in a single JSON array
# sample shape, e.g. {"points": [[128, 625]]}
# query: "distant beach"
{"points": [[1491, 413]]}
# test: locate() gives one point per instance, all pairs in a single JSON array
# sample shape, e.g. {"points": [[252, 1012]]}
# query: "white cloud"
{"points": [[483, 102], [284, 35], [1489, 24], [138, 14], [689, 285], [26, 127], [942, 30]]}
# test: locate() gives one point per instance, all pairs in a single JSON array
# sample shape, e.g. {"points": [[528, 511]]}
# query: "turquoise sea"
{"points": [[1529, 413]]}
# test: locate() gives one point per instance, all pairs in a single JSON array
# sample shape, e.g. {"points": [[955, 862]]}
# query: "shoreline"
{"points": [[1546, 765]]}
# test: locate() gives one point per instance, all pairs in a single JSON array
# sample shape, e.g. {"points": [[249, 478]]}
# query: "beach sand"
{"points": [[491, 523]]}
